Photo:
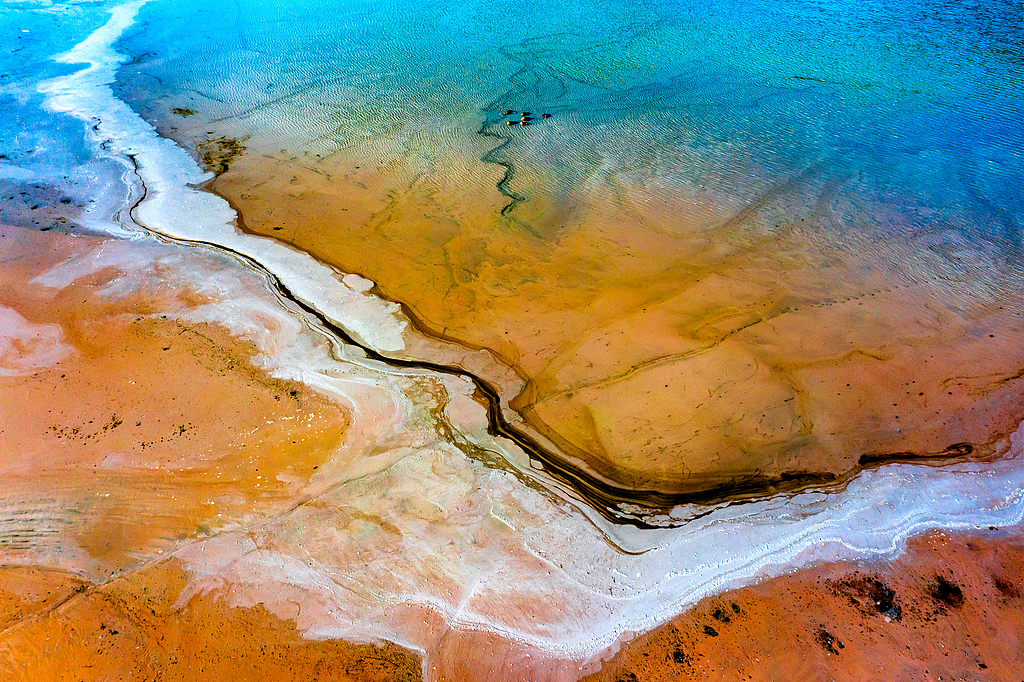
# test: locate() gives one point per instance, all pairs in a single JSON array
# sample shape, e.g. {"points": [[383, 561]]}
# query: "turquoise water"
{"points": [[915, 107], [916, 110], [46, 157]]}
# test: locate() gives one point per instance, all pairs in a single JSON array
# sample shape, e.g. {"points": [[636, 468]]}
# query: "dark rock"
{"points": [[945, 592]]}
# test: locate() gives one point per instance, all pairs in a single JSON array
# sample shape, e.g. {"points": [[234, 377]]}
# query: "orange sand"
{"points": [[135, 628], [952, 608], [28, 590], [149, 431]]}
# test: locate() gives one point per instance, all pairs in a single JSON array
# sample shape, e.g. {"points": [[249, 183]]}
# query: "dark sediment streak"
{"points": [[613, 501], [955, 451], [509, 171]]}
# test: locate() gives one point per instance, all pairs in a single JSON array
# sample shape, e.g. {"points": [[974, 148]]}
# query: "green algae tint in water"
{"points": [[752, 243]]}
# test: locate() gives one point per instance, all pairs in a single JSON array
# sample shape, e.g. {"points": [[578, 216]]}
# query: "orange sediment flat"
{"points": [[147, 429], [138, 627], [28, 590], [952, 608], [126, 431]]}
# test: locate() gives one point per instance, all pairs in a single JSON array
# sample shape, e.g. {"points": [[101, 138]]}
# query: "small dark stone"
{"points": [[870, 594], [735, 607], [829, 642], [720, 616], [710, 631], [680, 657], [1006, 587]]}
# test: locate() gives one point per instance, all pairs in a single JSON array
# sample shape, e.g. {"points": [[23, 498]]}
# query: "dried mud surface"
{"points": [[951, 608]]}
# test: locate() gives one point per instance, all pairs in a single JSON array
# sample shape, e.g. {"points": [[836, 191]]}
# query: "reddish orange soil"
{"points": [[149, 429], [952, 608], [27, 590], [134, 629]]}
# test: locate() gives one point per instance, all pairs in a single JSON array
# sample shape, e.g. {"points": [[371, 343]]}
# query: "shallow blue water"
{"points": [[43, 153], [921, 102], [915, 111]]}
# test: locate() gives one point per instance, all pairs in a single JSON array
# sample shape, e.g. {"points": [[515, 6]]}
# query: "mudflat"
{"points": [[146, 625], [166, 430]]}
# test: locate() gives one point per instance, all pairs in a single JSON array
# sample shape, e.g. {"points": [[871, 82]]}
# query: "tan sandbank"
{"points": [[952, 608], [666, 346]]}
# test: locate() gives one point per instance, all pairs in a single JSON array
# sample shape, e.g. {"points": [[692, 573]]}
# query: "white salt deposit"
{"points": [[26, 347], [175, 209]]}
